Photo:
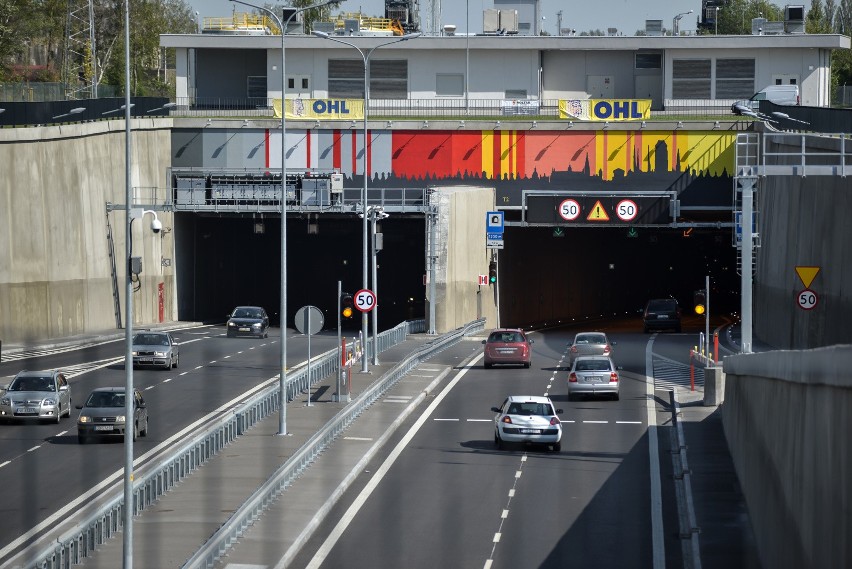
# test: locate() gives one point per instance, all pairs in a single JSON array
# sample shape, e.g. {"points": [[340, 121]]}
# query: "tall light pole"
{"points": [[129, 400], [466, 57], [676, 22], [376, 213], [716, 20], [282, 377], [365, 230]]}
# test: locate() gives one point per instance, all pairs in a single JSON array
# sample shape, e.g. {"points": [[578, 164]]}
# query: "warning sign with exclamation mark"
{"points": [[598, 213]]}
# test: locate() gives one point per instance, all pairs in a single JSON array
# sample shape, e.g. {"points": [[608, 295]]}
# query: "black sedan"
{"points": [[248, 321]]}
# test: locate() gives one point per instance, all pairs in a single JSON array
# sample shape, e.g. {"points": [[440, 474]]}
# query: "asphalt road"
{"points": [[452, 499], [47, 476]]}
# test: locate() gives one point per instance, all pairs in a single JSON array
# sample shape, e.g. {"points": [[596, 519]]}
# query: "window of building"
{"points": [[388, 79], [256, 86], [649, 61], [691, 79], [734, 78], [449, 85], [516, 93]]}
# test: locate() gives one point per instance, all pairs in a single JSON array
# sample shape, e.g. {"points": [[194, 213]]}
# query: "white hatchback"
{"points": [[527, 419]]}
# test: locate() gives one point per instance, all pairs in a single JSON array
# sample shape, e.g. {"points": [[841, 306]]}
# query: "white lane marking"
{"points": [[184, 373], [226, 357], [198, 367], [34, 448], [150, 387], [359, 502], [479, 420], [60, 433], [505, 514], [437, 419], [357, 438], [659, 550], [212, 362], [628, 422], [518, 473], [487, 565], [511, 493], [429, 369], [5, 463], [114, 477], [568, 421], [597, 422], [167, 380], [497, 537]]}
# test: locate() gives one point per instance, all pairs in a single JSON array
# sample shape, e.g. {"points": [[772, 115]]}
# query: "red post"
{"points": [[715, 346], [161, 301], [691, 371]]}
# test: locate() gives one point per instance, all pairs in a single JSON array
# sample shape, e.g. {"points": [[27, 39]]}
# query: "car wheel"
{"points": [[82, 439], [144, 432], [177, 360], [616, 398], [487, 365], [229, 334], [498, 441], [135, 432], [571, 397], [527, 364], [557, 446]]}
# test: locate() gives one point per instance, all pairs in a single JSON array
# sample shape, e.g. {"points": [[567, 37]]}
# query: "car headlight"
{"points": [[231, 323], [84, 419], [135, 354], [119, 418], [256, 325], [160, 354], [49, 402]]}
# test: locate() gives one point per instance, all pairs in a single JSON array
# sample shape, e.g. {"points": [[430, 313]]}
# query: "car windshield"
{"points": [[530, 408], [32, 383], [591, 339], [506, 337], [592, 365], [151, 340], [247, 313], [105, 399]]}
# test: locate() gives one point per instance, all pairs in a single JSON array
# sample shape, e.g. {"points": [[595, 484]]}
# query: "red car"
{"points": [[508, 346]]}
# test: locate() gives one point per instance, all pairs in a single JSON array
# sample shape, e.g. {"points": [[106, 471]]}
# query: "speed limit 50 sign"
{"points": [[365, 300]]}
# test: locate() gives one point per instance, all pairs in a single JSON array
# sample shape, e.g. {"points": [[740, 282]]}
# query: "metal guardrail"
{"points": [[155, 480], [261, 499], [804, 154]]}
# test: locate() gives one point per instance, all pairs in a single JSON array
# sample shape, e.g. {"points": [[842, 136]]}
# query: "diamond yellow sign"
{"points": [[807, 275]]}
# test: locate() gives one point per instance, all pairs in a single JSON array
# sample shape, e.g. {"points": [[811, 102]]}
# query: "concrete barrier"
{"points": [[787, 417], [714, 386]]}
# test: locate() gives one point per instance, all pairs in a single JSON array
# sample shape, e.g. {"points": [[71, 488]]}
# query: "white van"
{"points": [[787, 95]]}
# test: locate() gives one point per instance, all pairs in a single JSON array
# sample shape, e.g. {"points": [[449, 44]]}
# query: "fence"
{"points": [[31, 92]]}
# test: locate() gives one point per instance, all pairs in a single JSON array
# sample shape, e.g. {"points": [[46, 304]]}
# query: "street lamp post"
{"points": [[282, 377], [365, 229], [716, 20], [376, 213], [129, 400], [676, 22]]}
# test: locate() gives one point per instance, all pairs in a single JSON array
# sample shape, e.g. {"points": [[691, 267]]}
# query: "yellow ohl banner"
{"points": [[605, 109], [319, 109]]}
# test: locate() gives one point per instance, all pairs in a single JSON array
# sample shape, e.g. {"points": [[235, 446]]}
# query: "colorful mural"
{"points": [[690, 162], [509, 154]]}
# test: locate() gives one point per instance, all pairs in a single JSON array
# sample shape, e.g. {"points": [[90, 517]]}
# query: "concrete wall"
{"points": [[462, 257], [55, 269], [787, 420], [804, 221]]}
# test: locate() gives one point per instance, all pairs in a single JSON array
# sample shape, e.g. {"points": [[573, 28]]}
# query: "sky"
{"points": [[626, 16]]}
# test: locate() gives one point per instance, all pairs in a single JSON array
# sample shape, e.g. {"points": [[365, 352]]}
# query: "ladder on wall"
{"points": [[116, 297], [746, 169]]}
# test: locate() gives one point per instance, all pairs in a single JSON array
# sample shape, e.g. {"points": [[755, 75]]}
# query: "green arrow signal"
{"points": [[632, 232], [558, 232]]}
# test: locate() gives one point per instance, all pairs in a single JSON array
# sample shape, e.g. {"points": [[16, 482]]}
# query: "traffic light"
{"points": [[347, 305], [492, 272], [699, 301]]}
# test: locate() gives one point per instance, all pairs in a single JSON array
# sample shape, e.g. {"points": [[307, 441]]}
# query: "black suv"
{"points": [[661, 314]]}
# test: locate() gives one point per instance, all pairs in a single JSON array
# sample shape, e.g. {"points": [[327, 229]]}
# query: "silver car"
{"points": [[589, 344], [43, 395], [102, 415], [527, 419], [593, 375], [157, 349]]}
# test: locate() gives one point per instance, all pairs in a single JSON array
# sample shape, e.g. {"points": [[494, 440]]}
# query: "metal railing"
{"points": [[105, 520], [264, 496], [805, 154], [455, 108]]}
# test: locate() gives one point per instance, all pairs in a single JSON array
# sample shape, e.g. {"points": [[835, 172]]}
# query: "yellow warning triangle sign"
{"points": [[807, 274], [598, 213]]}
